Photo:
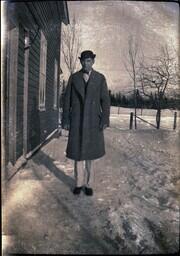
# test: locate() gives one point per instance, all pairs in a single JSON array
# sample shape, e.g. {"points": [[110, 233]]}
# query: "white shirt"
{"points": [[86, 76]]}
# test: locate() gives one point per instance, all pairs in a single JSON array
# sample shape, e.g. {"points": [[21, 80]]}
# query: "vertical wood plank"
{"points": [[13, 58], [4, 133]]}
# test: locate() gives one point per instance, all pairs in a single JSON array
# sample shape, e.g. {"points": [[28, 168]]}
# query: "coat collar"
{"points": [[80, 85]]}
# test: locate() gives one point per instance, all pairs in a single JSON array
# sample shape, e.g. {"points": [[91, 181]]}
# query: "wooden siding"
{"points": [[37, 16], [42, 123]]}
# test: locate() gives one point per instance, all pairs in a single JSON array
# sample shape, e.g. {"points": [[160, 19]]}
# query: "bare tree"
{"points": [[157, 76], [131, 66], [71, 45]]}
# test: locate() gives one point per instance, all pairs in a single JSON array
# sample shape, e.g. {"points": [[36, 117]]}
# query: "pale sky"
{"points": [[106, 25]]}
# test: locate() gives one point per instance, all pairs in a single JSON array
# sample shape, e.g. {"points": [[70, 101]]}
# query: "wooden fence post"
{"points": [[131, 120], [175, 120]]}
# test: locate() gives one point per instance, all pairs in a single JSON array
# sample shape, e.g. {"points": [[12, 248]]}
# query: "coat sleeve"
{"points": [[105, 103], [67, 104]]}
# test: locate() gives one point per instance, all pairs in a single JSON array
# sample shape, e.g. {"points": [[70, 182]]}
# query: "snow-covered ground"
{"points": [[144, 215], [134, 209]]}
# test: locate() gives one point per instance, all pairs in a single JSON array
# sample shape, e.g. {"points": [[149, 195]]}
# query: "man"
{"points": [[86, 109]]}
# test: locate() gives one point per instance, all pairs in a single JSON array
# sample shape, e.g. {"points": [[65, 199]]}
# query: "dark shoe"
{"points": [[88, 191], [77, 190]]}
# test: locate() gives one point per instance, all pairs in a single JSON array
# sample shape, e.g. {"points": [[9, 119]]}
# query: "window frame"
{"points": [[42, 72]]}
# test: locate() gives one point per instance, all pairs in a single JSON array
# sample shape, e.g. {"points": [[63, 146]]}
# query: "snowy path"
{"points": [[134, 208]]}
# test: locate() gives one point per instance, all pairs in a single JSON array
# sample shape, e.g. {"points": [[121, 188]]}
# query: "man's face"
{"points": [[87, 64]]}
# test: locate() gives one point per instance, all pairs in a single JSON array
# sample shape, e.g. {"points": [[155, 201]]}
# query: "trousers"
{"points": [[83, 173]]}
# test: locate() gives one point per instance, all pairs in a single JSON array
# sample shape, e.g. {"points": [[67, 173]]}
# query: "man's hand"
{"points": [[103, 126]]}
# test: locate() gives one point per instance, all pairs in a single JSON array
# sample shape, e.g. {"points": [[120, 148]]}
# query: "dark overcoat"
{"points": [[86, 111]]}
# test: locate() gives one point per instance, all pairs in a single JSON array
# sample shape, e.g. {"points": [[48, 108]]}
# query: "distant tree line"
{"points": [[121, 100], [127, 101]]}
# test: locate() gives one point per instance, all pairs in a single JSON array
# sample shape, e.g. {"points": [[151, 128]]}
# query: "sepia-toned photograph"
{"points": [[90, 107]]}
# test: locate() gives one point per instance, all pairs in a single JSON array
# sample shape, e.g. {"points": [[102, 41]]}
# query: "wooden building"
{"points": [[31, 76]]}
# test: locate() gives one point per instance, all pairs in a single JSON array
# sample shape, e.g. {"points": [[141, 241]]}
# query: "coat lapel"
{"points": [[91, 84], [80, 85]]}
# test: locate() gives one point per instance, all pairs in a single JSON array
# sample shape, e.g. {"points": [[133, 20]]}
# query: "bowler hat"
{"points": [[87, 54]]}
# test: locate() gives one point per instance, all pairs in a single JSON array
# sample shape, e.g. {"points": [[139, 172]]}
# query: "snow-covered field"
{"points": [[120, 118]]}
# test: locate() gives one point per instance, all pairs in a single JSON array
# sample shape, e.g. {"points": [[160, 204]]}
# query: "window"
{"points": [[42, 74], [55, 82]]}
